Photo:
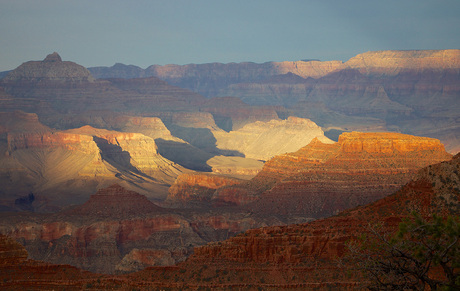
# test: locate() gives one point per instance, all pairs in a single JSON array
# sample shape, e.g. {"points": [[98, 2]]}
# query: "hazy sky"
{"points": [[142, 33]]}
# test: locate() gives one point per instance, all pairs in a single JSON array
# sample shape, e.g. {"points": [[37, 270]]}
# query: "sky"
{"points": [[143, 33]]}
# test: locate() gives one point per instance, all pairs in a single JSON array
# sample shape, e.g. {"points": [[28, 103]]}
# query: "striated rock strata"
{"points": [[197, 187], [36, 159], [322, 179], [302, 256], [118, 230], [263, 140]]}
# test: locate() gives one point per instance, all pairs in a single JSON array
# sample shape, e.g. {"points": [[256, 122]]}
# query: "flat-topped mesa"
{"points": [[321, 179], [392, 62], [116, 201], [381, 152], [388, 143], [52, 68]]}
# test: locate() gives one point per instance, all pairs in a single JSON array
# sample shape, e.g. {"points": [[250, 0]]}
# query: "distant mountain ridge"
{"points": [[220, 74], [412, 91]]}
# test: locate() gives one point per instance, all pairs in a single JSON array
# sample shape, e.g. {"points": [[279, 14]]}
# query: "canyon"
{"points": [[413, 92], [300, 256], [118, 230], [237, 175], [320, 179]]}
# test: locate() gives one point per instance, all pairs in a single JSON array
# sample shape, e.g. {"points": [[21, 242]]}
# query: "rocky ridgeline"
{"points": [[52, 87], [318, 244], [393, 62], [118, 230], [322, 179], [302, 256], [189, 76], [52, 68], [319, 179], [37, 159]]}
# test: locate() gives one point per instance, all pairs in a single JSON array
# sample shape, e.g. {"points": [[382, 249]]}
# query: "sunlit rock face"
{"points": [[65, 167], [188, 189], [393, 62], [321, 179], [413, 92], [301, 256], [263, 140], [312, 249]]}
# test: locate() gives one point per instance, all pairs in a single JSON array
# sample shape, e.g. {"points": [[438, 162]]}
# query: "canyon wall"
{"points": [[118, 230], [322, 179]]}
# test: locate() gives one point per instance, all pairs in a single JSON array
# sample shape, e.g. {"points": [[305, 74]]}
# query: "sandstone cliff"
{"points": [[393, 62], [118, 230], [197, 187], [263, 140], [414, 91], [309, 252], [302, 256], [36, 159], [321, 179]]}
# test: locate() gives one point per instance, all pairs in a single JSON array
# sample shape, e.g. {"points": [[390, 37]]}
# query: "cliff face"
{"points": [[393, 62], [197, 187], [414, 91], [263, 140], [302, 256], [121, 230], [311, 250], [39, 160], [321, 179]]}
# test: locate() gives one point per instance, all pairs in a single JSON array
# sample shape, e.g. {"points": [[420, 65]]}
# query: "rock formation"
{"points": [[322, 179], [414, 91], [305, 256], [118, 230], [230, 113], [302, 256], [64, 87], [197, 187], [52, 68], [263, 140], [37, 159], [219, 75]]}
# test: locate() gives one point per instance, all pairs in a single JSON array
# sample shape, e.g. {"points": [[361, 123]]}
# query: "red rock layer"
{"points": [[318, 244], [116, 201], [117, 230], [302, 256], [322, 179], [197, 187]]}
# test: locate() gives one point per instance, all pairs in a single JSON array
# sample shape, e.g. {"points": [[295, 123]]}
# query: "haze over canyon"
{"points": [[238, 175]]}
